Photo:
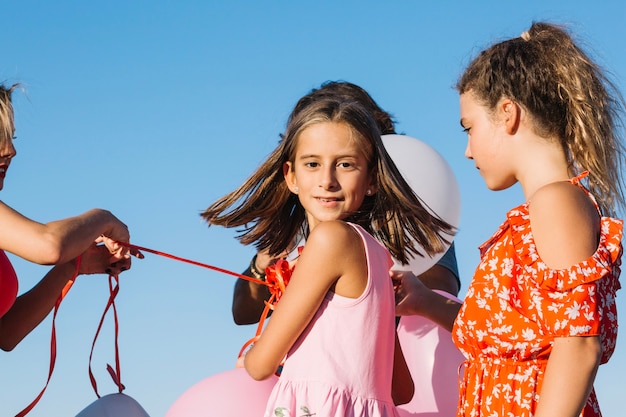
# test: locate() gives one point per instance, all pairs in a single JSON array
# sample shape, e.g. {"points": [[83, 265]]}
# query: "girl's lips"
{"points": [[327, 201]]}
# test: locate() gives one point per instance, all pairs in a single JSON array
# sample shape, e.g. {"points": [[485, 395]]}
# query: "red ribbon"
{"points": [[277, 278], [115, 374], [53, 340], [189, 261]]}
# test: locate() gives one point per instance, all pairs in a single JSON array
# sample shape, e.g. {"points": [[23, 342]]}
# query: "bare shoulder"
{"points": [[338, 253], [565, 224], [334, 234]]}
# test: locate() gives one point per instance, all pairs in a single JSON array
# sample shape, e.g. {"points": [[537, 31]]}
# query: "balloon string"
{"points": [[53, 339], [189, 261], [277, 278]]}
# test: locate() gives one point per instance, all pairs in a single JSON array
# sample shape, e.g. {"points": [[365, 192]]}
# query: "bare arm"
{"points": [[33, 306], [440, 278], [566, 228], [335, 253], [444, 275], [59, 241], [403, 388], [249, 297], [414, 298], [569, 376]]}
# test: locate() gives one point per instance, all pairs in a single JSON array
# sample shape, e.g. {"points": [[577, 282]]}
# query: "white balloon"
{"points": [[433, 180], [114, 405]]}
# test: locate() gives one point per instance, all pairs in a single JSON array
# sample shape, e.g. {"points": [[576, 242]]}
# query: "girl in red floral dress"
{"points": [[539, 316]]}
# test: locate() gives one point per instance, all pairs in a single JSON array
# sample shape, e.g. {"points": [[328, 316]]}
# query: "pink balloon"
{"points": [[114, 405], [434, 361], [231, 393]]}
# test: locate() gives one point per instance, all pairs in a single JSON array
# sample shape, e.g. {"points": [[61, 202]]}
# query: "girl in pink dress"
{"points": [[334, 325], [539, 316]]}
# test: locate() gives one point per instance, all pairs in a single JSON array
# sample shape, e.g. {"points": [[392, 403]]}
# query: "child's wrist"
{"points": [[256, 273]]}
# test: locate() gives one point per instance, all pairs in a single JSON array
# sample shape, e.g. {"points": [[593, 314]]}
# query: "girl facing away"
{"points": [[331, 179], [539, 316]]}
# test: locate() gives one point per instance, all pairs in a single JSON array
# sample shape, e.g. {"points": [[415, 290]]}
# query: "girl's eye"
{"points": [[311, 164], [466, 130]]}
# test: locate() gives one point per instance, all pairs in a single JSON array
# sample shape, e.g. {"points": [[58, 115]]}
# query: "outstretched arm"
{"points": [[60, 241], [33, 306], [414, 298]]}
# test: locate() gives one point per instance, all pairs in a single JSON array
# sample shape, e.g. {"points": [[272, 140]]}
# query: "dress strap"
{"points": [[576, 181]]}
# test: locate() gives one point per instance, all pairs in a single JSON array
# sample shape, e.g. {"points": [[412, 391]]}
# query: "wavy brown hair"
{"points": [[567, 95], [270, 216], [348, 91]]}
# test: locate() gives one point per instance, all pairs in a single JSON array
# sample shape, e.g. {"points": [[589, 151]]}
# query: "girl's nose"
{"points": [[7, 150], [468, 152], [329, 179]]}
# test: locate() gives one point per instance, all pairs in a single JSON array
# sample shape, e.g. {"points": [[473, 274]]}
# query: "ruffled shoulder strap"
{"points": [[605, 260]]}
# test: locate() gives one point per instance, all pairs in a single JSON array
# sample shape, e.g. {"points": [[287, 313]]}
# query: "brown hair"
{"points": [[271, 216], [349, 91], [567, 96]]}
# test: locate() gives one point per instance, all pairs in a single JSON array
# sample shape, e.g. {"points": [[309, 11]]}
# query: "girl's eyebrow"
{"points": [[334, 157]]}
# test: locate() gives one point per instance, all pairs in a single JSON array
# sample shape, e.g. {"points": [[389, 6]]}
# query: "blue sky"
{"points": [[153, 109]]}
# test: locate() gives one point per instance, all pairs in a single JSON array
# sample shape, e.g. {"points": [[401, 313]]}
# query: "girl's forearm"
{"points": [[440, 310], [33, 306]]}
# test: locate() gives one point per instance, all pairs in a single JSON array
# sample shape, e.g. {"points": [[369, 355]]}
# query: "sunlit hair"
{"points": [[7, 123], [270, 216], [567, 96], [349, 91]]}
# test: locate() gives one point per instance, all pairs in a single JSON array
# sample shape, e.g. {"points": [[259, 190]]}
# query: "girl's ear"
{"points": [[372, 188], [511, 114], [290, 176]]}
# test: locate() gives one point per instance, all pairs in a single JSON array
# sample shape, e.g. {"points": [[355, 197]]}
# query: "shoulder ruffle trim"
{"points": [[606, 259]]}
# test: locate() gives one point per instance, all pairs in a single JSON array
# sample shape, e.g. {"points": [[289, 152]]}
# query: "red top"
{"points": [[8, 284]]}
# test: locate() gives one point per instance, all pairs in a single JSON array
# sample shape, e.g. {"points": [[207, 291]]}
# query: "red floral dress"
{"points": [[516, 306]]}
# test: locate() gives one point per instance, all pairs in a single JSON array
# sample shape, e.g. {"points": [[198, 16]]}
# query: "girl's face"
{"points": [[329, 172], [487, 143]]}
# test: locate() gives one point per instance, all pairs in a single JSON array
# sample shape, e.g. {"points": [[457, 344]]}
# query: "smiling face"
{"points": [[488, 144], [329, 172]]}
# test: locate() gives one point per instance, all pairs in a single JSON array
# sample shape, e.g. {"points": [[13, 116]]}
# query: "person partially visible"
{"points": [[249, 298], [539, 316], [331, 180], [88, 243]]}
